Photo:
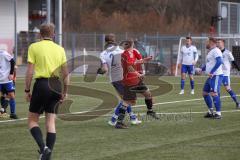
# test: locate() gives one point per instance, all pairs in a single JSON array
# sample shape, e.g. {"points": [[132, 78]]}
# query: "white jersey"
{"points": [[5, 66], [211, 61], [188, 55], [112, 57], [227, 59]]}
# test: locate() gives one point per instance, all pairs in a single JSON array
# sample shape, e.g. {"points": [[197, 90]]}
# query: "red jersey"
{"points": [[129, 58], [138, 55]]}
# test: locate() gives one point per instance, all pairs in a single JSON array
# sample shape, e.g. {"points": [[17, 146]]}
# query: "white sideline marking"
{"points": [[16, 120], [109, 83], [137, 106]]}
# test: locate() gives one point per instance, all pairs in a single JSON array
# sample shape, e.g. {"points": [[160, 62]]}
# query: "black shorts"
{"points": [[119, 87], [130, 92], [45, 96]]}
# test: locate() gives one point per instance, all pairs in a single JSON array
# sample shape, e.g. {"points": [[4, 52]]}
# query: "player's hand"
{"points": [[28, 96], [194, 62], [141, 76], [210, 75], [10, 77]]}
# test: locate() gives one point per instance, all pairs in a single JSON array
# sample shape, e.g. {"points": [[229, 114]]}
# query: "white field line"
{"points": [[137, 106], [109, 83]]}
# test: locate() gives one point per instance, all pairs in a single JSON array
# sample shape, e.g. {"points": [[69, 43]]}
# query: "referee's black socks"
{"points": [[50, 140], [37, 135]]}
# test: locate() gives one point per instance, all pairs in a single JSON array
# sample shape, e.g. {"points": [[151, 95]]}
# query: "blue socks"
{"points": [[192, 84], [182, 84], [116, 113], [217, 103], [208, 101], [131, 114], [12, 106], [233, 95]]}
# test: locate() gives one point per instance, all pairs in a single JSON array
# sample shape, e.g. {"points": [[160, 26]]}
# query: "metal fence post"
{"points": [[95, 41], [73, 37], [15, 32], [103, 41]]}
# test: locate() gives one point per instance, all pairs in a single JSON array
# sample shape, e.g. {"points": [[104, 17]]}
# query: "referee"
{"points": [[46, 60]]}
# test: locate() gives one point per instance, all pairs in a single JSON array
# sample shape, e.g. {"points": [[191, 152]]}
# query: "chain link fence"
{"points": [[163, 49]]}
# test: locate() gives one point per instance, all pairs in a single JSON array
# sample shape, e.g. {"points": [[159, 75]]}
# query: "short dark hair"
{"points": [[128, 43], [110, 38], [212, 39], [188, 37], [220, 39], [47, 30]]}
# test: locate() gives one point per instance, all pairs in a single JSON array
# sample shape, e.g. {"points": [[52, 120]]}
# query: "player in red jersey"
{"points": [[133, 81]]}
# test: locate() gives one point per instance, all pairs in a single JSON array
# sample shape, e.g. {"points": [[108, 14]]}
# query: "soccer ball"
{"points": [[198, 71]]}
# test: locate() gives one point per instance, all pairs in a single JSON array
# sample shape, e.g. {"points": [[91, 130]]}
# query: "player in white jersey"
{"points": [[111, 63], [7, 64], [187, 58], [228, 59], [215, 74]]}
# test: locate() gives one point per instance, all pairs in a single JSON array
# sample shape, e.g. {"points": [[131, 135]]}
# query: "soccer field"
{"points": [[181, 133]]}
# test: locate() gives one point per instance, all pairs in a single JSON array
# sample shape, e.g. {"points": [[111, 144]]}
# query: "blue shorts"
{"points": [[119, 87], [213, 84], [187, 69], [7, 87], [226, 80]]}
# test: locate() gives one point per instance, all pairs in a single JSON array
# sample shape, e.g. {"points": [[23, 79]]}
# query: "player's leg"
{"points": [[120, 90], [52, 97], [226, 83], [148, 101], [11, 94], [129, 98], [122, 111], [51, 132], [207, 99], [216, 82], [190, 73], [33, 119], [114, 117], [35, 109], [183, 77], [4, 101]]}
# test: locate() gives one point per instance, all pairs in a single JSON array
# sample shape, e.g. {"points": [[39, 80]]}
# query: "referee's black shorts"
{"points": [[45, 96]]}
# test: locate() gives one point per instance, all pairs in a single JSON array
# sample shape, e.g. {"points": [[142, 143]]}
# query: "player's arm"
{"points": [[28, 80], [29, 73], [144, 60], [29, 76], [12, 68], [195, 55], [234, 63], [141, 60], [10, 58], [65, 78], [104, 68], [217, 65]]}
